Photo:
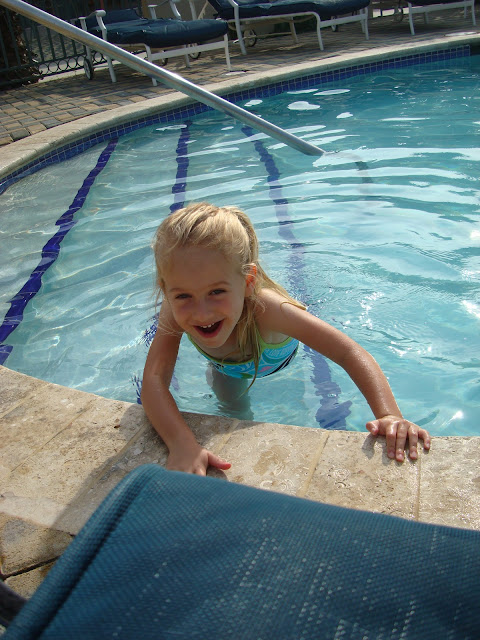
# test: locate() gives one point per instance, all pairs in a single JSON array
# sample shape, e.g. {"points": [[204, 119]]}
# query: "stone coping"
{"points": [[63, 450]]}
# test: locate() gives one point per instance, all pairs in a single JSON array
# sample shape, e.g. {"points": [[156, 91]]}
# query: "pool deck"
{"points": [[62, 450]]}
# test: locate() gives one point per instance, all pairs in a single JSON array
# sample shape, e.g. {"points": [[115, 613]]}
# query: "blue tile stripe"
{"points": [[180, 184], [330, 414], [178, 190], [50, 253], [187, 111]]}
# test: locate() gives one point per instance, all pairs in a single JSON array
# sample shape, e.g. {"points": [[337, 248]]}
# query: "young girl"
{"points": [[215, 290]]}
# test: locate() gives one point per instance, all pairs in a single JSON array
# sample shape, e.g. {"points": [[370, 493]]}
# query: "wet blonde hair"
{"points": [[229, 231]]}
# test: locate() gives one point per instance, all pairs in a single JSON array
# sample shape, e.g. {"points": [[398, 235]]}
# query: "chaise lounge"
{"points": [[242, 14], [171, 36], [427, 6]]}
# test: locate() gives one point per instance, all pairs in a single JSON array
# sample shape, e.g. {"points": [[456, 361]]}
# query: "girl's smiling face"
{"points": [[206, 293]]}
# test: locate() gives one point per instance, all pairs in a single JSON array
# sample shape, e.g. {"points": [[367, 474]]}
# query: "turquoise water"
{"points": [[379, 237]]}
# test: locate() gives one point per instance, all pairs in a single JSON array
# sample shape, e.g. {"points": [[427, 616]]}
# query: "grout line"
{"points": [[416, 513], [302, 492], [226, 437]]}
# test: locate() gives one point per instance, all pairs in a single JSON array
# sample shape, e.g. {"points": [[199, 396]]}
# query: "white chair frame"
{"points": [[426, 9], [243, 24], [161, 54]]}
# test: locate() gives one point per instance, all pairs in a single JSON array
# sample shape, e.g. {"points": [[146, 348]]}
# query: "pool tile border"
{"points": [[180, 112], [49, 254]]}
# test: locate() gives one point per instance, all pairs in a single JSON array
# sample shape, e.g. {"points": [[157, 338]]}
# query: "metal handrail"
{"points": [[172, 80]]}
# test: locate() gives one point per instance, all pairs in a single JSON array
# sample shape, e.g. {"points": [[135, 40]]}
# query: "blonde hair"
{"points": [[229, 231]]}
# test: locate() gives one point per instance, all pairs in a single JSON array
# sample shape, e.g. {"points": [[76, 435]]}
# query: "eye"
{"points": [[217, 292], [182, 296]]}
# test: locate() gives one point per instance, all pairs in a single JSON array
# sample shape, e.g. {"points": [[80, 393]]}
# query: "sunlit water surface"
{"points": [[379, 237]]}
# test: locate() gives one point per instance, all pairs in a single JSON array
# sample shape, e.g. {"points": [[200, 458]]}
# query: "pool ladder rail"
{"points": [[168, 78]]}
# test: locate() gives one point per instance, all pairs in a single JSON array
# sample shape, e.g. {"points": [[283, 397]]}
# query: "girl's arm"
{"points": [[185, 453], [288, 319]]}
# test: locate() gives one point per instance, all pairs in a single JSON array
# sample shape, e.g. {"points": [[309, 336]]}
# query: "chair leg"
{"points": [[293, 31], [319, 33], [227, 51], [365, 23], [238, 27], [410, 19], [149, 58], [187, 59], [111, 69]]}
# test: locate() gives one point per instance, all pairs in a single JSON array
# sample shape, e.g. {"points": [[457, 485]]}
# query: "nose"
{"points": [[202, 313]]}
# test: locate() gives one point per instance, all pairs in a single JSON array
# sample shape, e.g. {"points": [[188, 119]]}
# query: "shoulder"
{"points": [[272, 302], [275, 316]]}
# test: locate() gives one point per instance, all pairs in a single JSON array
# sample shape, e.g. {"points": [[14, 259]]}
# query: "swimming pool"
{"points": [[380, 238]]}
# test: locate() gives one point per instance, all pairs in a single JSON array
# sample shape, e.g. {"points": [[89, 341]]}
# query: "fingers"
{"points": [[199, 471], [425, 436], [373, 427], [412, 443], [217, 462], [397, 432]]}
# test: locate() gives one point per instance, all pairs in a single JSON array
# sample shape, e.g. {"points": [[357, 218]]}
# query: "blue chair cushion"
{"points": [[426, 3], [160, 33], [171, 555], [324, 8], [116, 15]]}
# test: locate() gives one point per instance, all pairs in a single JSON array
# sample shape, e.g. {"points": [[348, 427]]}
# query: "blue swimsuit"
{"points": [[273, 357]]}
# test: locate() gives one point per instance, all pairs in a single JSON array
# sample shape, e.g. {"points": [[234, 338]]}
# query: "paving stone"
{"points": [[354, 471], [25, 584], [210, 431], [68, 463], [15, 386], [36, 128], [271, 456], [64, 117], [18, 134], [24, 544], [50, 122], [43, 413], [450, 483]]}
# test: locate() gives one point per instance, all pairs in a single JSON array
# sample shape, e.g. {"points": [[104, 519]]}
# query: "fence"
{"points": [[29, 50]]}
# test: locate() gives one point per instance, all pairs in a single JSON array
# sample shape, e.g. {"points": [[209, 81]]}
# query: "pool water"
{"points": [[379, 237]]}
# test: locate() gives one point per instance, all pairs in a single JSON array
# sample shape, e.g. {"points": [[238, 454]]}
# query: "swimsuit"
{"points": [[273, 357]]}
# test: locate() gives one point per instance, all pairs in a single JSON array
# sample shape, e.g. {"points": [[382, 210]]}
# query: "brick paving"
{"points": [[52, 101]]}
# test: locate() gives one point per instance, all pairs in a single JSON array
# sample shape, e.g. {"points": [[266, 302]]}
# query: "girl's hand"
{"points": [[195, 461], [397, 430]]}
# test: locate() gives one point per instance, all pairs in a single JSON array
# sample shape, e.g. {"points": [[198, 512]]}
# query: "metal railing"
{"points": [[171, 80]]}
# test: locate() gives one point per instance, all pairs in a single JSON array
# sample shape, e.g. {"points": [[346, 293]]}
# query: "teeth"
{"points": [[207, 326]]}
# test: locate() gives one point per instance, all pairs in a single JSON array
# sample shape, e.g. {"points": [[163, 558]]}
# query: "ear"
{"points": [[250, 279]]}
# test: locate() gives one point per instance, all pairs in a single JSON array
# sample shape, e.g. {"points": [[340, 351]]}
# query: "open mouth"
{"points": [[208, 329]]}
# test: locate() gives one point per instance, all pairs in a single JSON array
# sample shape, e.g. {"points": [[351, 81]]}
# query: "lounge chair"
{"points": [[427, 6], [170, 36], [242, 14], [172, 555]]}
